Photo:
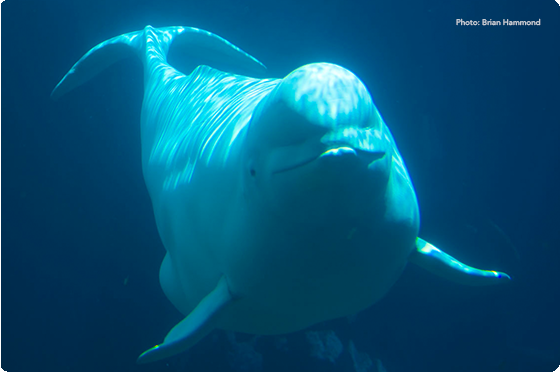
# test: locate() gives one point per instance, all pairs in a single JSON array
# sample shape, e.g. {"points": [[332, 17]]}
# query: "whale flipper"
{"points": [[197, 324], [195, 42], [439, 263]]}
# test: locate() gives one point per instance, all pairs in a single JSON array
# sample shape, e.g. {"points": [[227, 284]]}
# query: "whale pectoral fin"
{"points": [[194, 327], [437, 262]]}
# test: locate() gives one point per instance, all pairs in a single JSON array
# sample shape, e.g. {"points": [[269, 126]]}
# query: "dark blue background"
{"points": [[474, 110]]}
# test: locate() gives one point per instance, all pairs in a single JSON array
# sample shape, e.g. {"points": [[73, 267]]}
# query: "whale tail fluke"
{"points": [[151, 45], [96, 60]]}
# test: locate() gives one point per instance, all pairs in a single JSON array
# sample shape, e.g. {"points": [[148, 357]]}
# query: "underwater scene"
{"points": [[305, 185]]}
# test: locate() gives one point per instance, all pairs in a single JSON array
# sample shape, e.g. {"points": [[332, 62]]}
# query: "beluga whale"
{"points": [[281, 203]]}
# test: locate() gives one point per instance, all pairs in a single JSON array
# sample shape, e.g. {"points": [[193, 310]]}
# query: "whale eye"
{"points": [[251, 165]]}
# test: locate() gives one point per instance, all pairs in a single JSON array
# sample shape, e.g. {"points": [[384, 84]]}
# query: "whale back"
{"points": [[196, 119]]}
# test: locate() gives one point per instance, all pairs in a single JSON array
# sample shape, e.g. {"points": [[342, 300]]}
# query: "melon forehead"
{"points": [[328, 95]]}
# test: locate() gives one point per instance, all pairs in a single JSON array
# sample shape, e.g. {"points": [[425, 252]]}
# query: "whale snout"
{"points": [[365, 156]]}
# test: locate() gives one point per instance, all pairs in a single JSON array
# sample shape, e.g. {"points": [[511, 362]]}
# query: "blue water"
{"points": [[474, 110]]}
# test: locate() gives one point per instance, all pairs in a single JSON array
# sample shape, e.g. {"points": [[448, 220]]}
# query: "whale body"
{"points": [[280, 202]]}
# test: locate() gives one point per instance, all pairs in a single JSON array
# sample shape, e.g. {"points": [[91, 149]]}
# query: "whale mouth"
{"points": [[339, 152], [336, 152], [293, 167]]}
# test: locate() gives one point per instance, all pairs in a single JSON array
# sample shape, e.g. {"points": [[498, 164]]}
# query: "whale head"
{"points": [[316, 145]]}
